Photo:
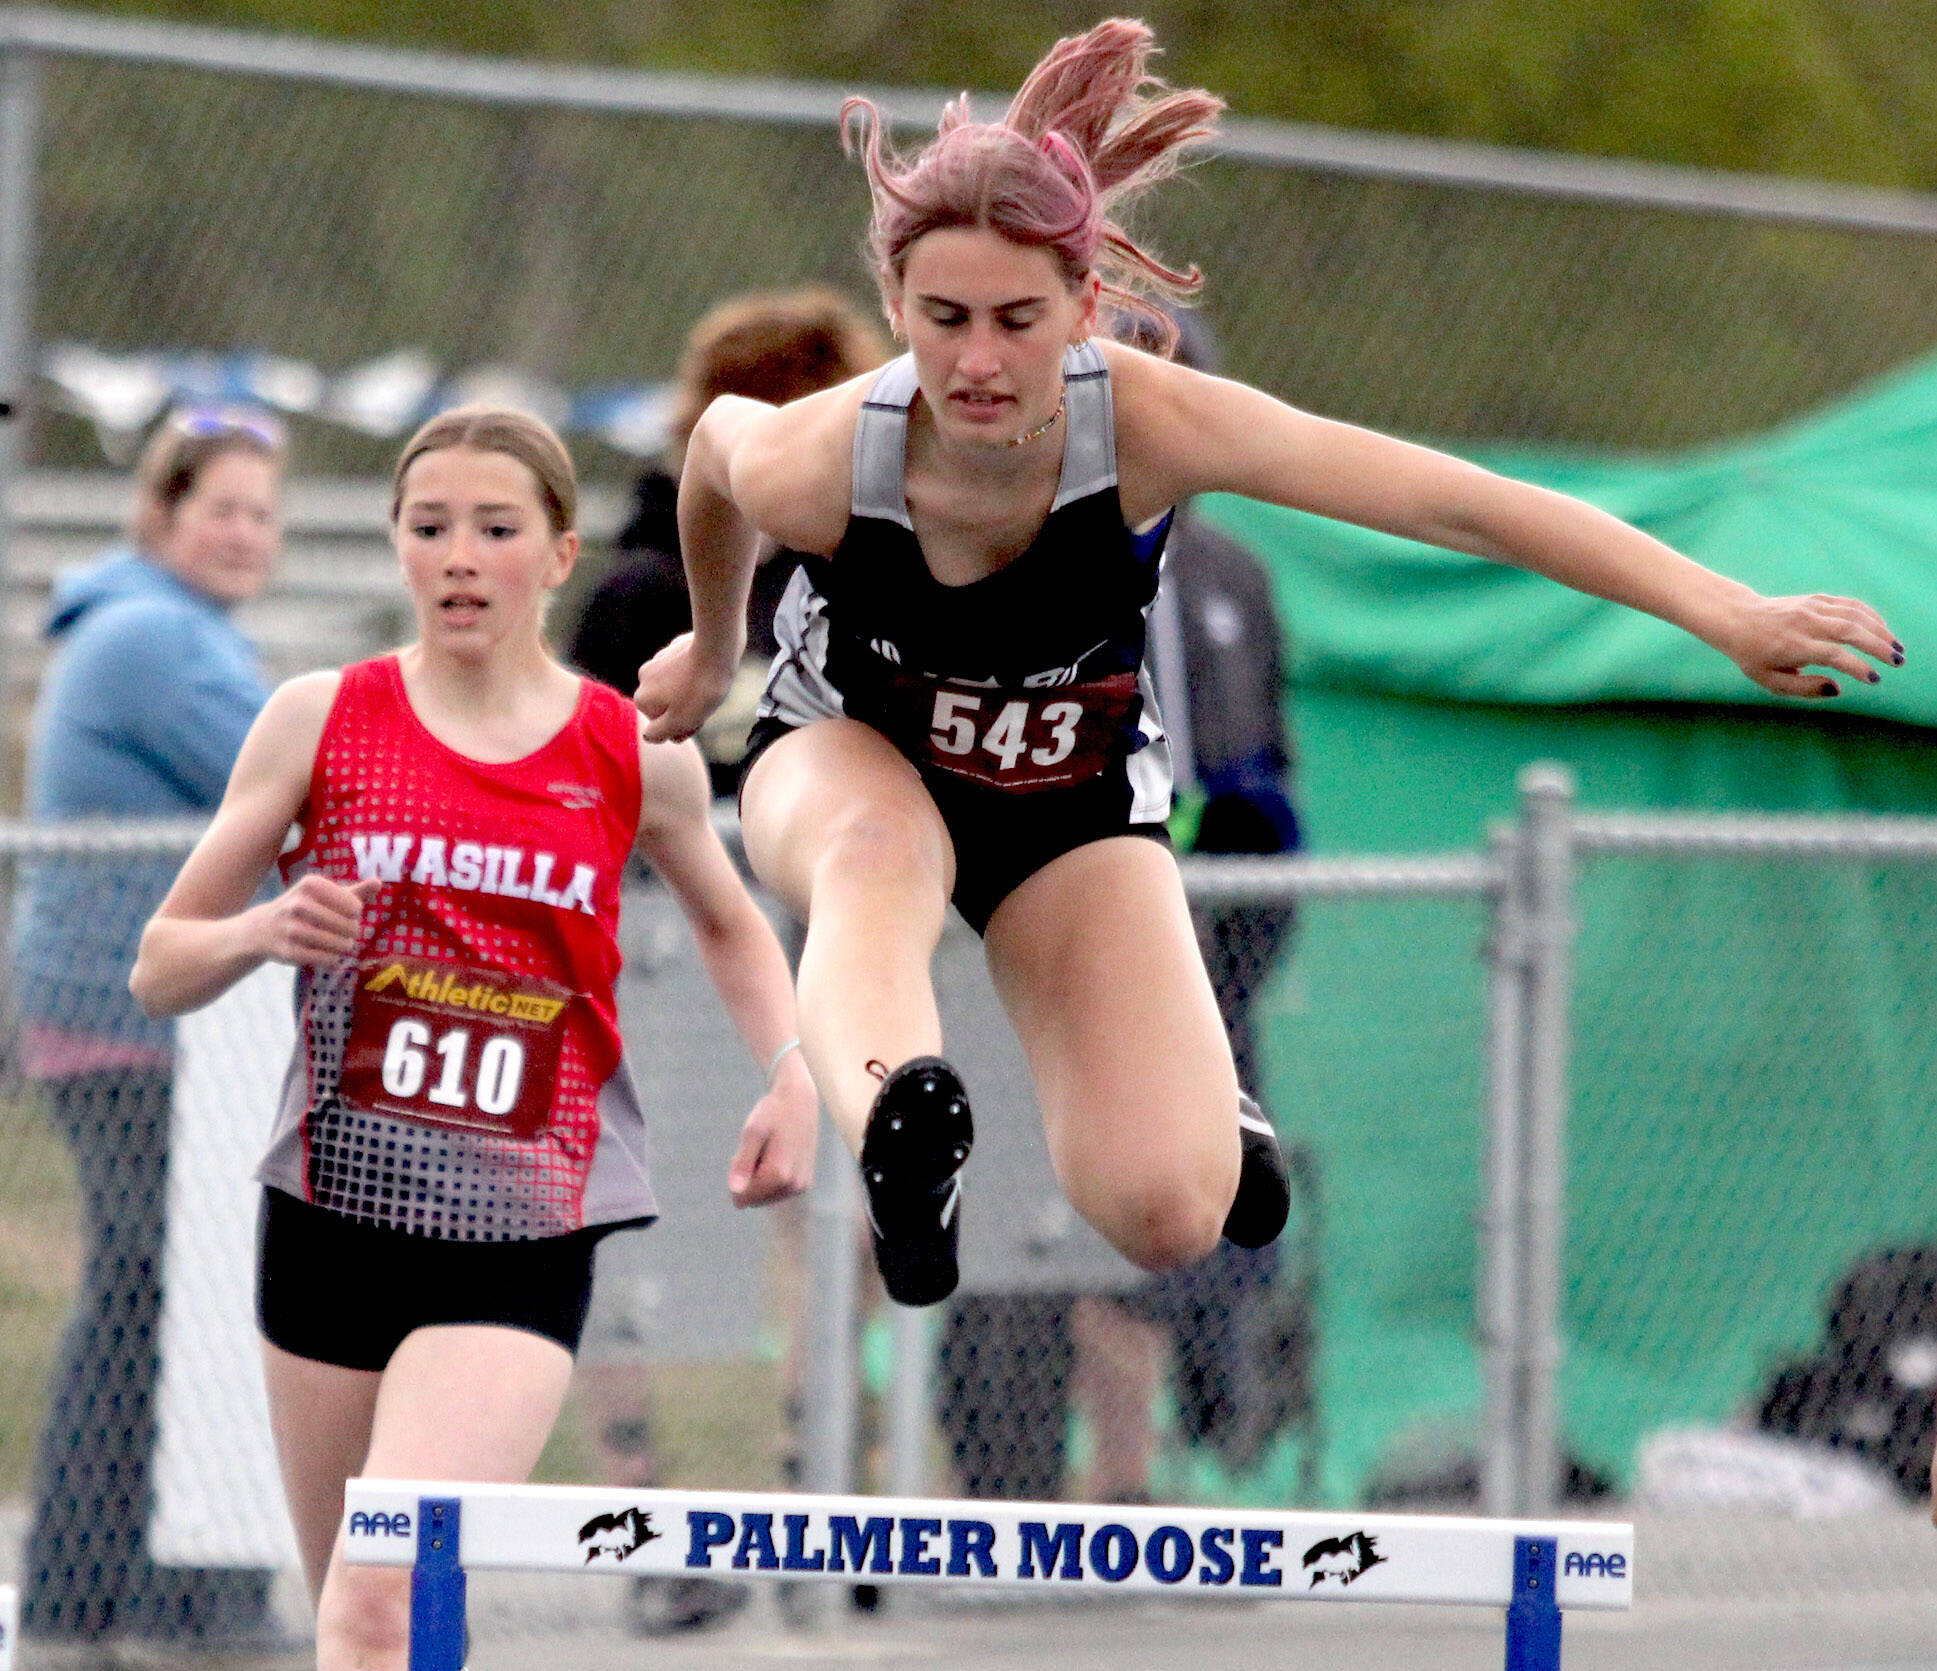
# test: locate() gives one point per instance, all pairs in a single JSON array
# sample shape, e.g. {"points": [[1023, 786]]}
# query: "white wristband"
{"points": [[779, 1056]]}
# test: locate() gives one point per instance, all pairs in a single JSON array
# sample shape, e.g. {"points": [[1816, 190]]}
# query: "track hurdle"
{"points": [[1534, 1570]]}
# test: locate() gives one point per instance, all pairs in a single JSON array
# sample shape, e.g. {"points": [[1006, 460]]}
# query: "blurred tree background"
{"points": [[1829, 89], [194, 211]]}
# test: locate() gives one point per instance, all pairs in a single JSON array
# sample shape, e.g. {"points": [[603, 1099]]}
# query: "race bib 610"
{"points": [[453, 1046]]}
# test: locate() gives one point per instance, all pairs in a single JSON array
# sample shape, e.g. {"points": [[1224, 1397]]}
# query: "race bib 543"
{"points": [[1017, 741]]}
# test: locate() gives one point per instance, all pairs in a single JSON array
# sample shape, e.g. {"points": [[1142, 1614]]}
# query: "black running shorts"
{"points": [[340, 1291], [1002, 840]]}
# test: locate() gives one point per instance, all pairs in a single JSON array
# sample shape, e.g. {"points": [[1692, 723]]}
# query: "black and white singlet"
{"points": [[1022, 698]]}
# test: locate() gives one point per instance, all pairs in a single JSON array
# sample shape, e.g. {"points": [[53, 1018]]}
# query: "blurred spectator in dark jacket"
{"points": [[1235, 1330], [1216, 650], [140, 715], [774, 347]]}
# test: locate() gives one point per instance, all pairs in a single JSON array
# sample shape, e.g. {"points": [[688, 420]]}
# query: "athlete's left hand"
{"points": [[776, 1154], [1774, 641]]}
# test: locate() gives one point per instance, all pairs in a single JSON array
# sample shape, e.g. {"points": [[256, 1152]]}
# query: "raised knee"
{"points": [[877, 842], [366, 1612], [1162, 1223]]}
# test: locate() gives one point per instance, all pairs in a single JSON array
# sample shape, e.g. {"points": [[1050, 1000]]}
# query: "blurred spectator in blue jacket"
{"points": [[143, 707]]}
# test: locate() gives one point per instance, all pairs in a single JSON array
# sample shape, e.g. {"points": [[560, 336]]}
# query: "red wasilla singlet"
{"points": [[463, 1077]]}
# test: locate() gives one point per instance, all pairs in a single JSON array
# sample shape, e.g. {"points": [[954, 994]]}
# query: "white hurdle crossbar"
{"points": [[442, 1530]]}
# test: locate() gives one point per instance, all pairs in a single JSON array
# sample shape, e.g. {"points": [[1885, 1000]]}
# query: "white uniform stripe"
{"points": [[1089, 446], [881, 444], [798, 690], [1149, 768]]}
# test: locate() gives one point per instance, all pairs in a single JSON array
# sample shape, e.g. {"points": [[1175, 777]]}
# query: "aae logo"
{"points": [[1595, 1566], [379, 1525]]}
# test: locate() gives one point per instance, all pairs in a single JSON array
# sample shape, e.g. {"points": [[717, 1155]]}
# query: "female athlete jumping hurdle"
{"points": [[957, 709]]}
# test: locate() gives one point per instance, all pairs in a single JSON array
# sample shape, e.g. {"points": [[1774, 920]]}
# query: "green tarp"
{"points": [[1754, 1080], [1845, 502]]}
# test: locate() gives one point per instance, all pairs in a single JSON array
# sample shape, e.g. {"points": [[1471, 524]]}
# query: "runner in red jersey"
{"points": [[462, 1077], [458, 1128]]}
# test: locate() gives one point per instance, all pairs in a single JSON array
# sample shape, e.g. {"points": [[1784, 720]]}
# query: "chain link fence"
{"points": [[1738, 1331], [204, 191], [581, 247], [1750, 1288], [138, 1491], [1741, 1347]]}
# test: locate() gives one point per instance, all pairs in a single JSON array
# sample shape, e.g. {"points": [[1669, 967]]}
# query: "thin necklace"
{"points": [[1042, 428]]}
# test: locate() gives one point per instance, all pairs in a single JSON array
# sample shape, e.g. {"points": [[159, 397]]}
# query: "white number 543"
{"points": [[953, 729]]}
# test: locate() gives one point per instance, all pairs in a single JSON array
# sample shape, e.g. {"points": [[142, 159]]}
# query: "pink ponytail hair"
{"points": [[1089, 132]]}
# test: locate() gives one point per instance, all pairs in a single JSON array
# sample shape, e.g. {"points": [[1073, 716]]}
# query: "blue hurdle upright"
{"points": [[1532, 1569]]}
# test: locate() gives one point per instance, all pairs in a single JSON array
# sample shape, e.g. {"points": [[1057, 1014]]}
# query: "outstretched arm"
{"points": [[1203, 434], [746, 965], [206, 936]]}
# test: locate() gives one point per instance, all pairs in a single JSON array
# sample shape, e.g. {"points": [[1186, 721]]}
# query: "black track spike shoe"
{"points": [[919, 1133], [1263, 1200]]}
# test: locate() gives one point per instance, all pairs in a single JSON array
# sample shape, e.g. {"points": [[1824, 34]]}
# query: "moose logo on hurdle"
{"points": [[1340, 1560], [616, 1535]]}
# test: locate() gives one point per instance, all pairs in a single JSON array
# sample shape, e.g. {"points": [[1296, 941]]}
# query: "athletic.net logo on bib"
{"points": [[453, 1046]]}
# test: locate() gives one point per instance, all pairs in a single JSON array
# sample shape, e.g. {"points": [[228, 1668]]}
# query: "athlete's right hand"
{"points": [[679, 688], [314, 924]]}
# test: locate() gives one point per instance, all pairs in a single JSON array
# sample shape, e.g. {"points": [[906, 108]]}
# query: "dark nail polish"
{"points": [[1896, 646], [1831, 690], [1876, 678], [1898, 658]]}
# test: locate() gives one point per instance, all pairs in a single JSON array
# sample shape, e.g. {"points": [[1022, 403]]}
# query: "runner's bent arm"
{"points": [[745, 963], [1186, 433], [206, 936], [750, 469]]}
